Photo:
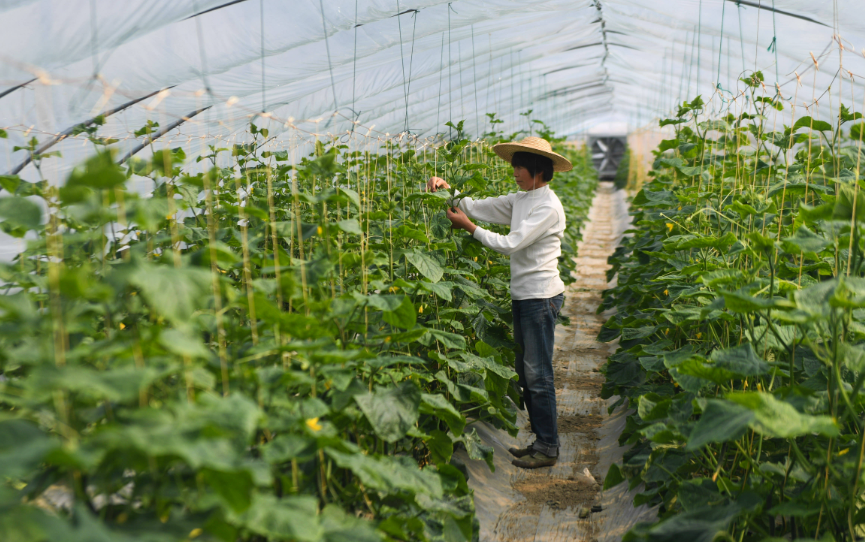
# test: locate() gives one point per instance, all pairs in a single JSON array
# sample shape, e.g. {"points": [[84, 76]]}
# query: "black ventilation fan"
{"points": [[607, 152]]}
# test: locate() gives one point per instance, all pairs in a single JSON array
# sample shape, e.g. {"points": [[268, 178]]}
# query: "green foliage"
{"points": [[623, 170], [260, 351], [740, 325]]}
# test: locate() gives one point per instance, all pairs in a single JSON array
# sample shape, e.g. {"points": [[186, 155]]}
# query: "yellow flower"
{"points": [[476, 258], [313, 424], [195, 533], [387, 339], [420, 310], [669, 226], [844, 451], [490, 262], [122, 325], [699, 335], [393, 289], [320, 231], [666, 292]]}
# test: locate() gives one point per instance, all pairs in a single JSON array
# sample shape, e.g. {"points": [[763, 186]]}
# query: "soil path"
{"points": [[516, 505]]}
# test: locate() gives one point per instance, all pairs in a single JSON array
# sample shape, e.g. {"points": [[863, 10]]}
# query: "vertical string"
{"points": [[774, 46], [329, 64], [441, 70], [741, 37], [460, 70], [450, 81], [682, 75], [490, 72], [410, 63], [691, 64], [94, 38], [354, 63], [202, 54], [402, 62], [475, 70], [699, 44], [721, 45], [263, 95]]}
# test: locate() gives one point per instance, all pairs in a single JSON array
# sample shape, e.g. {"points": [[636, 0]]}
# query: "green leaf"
{"points": [[808, 122], [775, 418], [391, 412], [673, 361], [173, 293], [630, 333], [807, 241], [853, 356], [342, 527], [848, 202], [350, 225], [477, 450], [700, 525], [614, 477], [286, 447], [721, 421], [234, 488], [403, 316], [389, 474], [441, 447], [352, 195], [438, 406], [411, 233], [98, 172], [741, 360], [183, 343], [744, 303], [442, 289], [22, 447], [20, 212], [427, 266], [450, 340], [293, 517], [653, 407]]}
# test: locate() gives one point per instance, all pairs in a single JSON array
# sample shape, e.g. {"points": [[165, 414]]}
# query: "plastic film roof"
{"points": [[206, 68]]}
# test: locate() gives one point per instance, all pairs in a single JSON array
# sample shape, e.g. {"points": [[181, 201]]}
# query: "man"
{"points": [[537, 222]]}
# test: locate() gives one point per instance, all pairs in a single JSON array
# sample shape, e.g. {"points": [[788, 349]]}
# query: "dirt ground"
{"points": [[539, 490]]}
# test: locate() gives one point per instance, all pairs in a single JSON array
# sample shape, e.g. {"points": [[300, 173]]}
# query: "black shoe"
{"points": [[521, 452], [535, 460]]}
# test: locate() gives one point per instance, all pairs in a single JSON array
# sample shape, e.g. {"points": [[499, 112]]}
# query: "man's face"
{"points": [[524, 179]]}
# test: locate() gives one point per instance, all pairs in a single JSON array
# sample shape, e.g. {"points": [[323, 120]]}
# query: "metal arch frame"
{"points": [[779, 11], [65, 133], [138, 148]]}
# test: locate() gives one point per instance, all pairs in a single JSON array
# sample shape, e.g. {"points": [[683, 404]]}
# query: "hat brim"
{"points": [[506, 151]]}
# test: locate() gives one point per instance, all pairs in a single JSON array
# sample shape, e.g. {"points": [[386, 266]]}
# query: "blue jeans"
{"points": [[534, 333]]}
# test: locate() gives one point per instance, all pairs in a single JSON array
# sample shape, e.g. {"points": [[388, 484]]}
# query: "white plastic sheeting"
{"points": [[401, 66]]}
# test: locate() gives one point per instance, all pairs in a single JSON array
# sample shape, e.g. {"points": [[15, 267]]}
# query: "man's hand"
{"points": [[435, 183], [460, 221]]}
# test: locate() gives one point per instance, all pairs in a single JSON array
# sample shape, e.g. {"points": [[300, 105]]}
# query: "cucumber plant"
{"points": [[739, 315], [261, 349]]}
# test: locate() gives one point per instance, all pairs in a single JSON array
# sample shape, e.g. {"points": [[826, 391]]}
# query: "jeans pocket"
{"points": [[554, 310]]}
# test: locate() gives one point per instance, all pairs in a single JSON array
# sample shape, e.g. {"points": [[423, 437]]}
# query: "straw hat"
{"points": [[534, 145]]}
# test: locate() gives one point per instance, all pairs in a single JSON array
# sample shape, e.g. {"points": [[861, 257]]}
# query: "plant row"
{"points": [[263, 350], [740, 324]]}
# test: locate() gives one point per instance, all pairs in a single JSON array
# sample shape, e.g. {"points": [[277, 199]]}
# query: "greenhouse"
{"points": [[432, 271]]}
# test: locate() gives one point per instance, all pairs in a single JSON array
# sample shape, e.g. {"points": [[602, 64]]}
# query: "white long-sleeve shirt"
{"points": [[537, 222]]}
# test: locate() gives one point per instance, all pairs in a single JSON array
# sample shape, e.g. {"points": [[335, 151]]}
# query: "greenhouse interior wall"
{"points": [[232, 308]]}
